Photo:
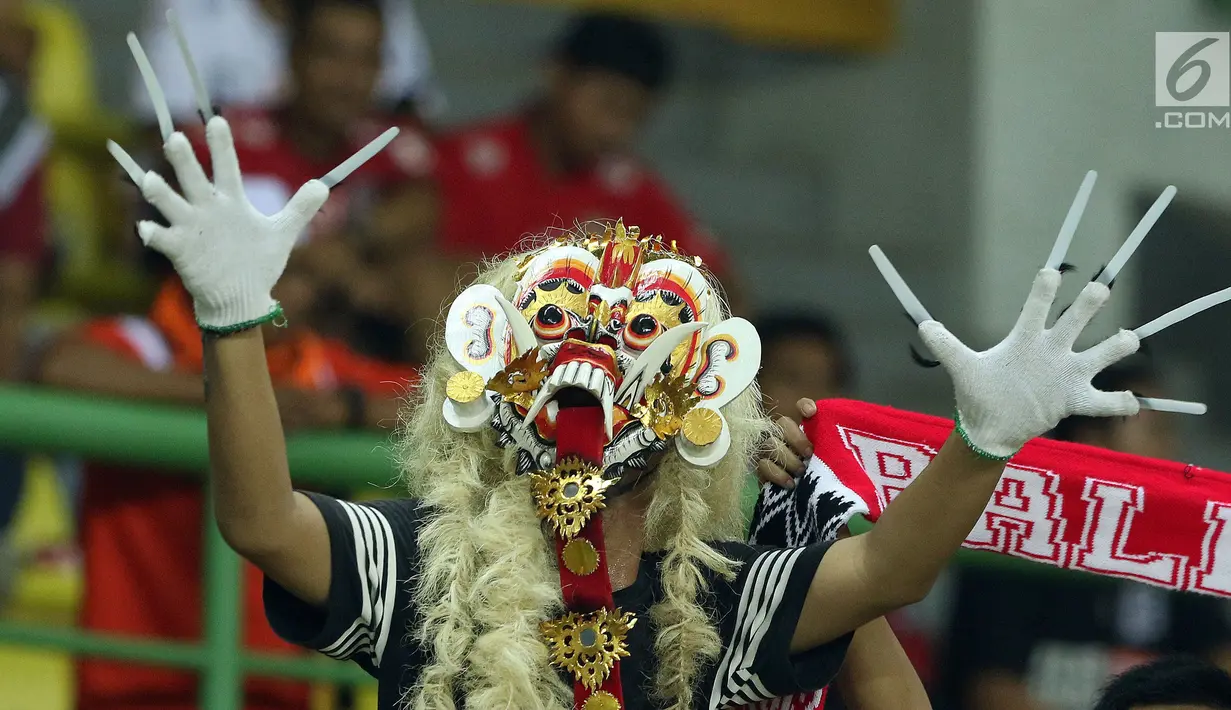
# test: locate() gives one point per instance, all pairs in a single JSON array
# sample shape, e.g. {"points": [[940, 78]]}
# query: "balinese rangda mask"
{"points": [[627, 320]]}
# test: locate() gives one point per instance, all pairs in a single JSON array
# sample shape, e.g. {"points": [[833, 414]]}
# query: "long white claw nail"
{"points": [[540, 401], [1185, 311], [135, 173], [905, 296], [649, 363], [1171, 405], [1060, 249], [1137, 236], [351, 164], [608, 401], [523, 335], [157, 98], [198, 86]]}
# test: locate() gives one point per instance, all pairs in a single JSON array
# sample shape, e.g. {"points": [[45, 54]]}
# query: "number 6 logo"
{"points": [[1192, 69]]}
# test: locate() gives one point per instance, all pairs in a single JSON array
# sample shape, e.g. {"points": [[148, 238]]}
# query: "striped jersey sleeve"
{"points": [[758, 613], [372, 550]]}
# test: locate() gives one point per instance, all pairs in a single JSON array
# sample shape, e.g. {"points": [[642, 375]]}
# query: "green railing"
{"points": [[174, 440]]}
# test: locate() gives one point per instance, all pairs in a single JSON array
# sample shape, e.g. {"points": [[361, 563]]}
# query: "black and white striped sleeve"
{"points": [[372, 551], [759, 615]]}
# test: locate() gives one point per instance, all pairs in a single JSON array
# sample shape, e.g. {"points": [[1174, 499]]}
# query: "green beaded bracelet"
{"points": [[961, 431], [275, 316]]}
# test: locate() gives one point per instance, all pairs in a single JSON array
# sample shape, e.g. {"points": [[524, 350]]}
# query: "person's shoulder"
{"points": [[411, 154], [134, 337], [504, 129], [486, 149], [627, 175], [370, 374], [254, 128]]}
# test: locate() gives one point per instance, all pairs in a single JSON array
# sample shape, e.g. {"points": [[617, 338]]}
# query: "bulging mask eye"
{"points": [[641, 331], [550, 322]]}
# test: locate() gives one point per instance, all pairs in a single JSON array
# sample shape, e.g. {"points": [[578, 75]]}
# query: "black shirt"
{"points": [[374, 549], [1066, 634]]}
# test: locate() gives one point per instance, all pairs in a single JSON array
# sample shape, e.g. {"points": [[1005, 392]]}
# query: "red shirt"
{"points": [[141, 532], [23, 209], [495, 191], [273, 169]]}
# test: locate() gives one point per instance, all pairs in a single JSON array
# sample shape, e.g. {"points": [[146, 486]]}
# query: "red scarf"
{"points": [[1062, 504]]}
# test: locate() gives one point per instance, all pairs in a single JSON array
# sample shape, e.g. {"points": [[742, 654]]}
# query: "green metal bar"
{"points": [[222, 678], [316, 669], [83, 643], [171, 438], [172, 654]]}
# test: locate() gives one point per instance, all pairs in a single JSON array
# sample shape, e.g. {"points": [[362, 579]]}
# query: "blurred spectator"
{"points": [[1175, 682], [240, 48], [23, 249], [1048, 641], [141, 529], [45, 45], [802, 355], [565, 158], [378, 217]]}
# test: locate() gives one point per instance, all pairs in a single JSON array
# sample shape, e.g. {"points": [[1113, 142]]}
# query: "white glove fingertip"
{"points": [[1074, 320], [1110, 404], [944, 345], [159, 194], [1038, 303], [307, 201], [1112, 350], [221, 142], [1095, 294], [217, 128], [153, 235], [183, 159]]}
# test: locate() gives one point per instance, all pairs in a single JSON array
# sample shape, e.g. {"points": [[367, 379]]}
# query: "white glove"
{"points": [[228, 254], [1024, 386]]}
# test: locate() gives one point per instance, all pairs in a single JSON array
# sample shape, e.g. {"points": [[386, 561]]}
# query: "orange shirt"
{"points": [[141, 532]]}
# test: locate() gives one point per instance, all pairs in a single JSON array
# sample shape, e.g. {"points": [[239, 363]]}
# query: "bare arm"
{"points": [[258, 511], [894, 564], [877, 675]]}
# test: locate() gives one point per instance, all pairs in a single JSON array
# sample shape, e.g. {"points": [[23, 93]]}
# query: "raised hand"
{"points": [[228, 254], [1026, 384]]}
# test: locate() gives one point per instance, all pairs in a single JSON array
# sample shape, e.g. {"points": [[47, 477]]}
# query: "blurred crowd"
{"points": [[304, 84]]}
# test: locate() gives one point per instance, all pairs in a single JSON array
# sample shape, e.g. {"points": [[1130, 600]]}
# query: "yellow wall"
{"points": [[861, 25]]}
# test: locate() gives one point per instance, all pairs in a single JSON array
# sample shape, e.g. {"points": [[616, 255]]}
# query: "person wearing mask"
{"points": [[498, 582]]}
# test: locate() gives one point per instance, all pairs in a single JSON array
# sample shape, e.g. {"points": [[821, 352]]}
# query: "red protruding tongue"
{"points": [[580, 432]]}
